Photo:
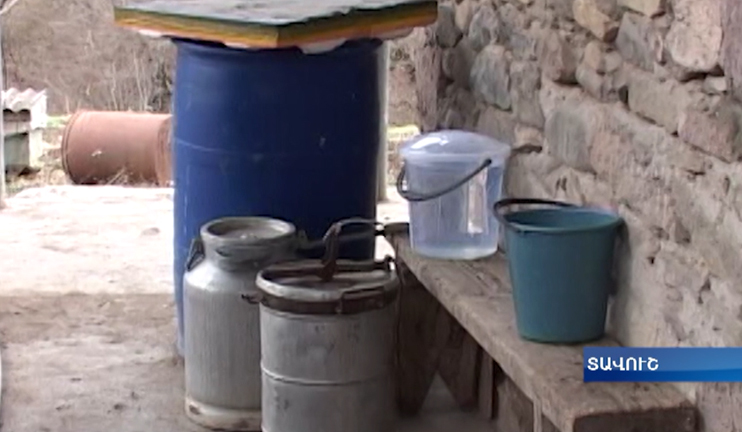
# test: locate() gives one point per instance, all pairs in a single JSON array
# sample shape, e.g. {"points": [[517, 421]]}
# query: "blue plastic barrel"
{"points": [[275, 133]]}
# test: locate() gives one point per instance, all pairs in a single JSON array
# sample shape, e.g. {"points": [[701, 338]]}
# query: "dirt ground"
{"points": [[86, 311], [87, 319], [77, 362], [86, 315]]}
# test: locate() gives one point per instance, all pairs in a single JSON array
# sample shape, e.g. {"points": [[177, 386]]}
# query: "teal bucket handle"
{"points": [[412, 196], [508, 202]]}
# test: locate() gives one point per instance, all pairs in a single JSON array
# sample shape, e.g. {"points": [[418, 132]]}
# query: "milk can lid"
{"points": [[253, 229], [242, 241], [354, 287], [453, 145]]}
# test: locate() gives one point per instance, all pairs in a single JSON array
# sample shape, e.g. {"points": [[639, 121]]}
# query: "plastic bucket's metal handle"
{"points": [[412, 196], [508, 202]]}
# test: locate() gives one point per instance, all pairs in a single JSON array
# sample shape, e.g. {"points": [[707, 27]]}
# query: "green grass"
{"points": [[57, 122]]}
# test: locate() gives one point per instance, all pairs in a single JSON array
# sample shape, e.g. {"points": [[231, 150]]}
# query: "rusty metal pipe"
{"points": [[105, 147]]}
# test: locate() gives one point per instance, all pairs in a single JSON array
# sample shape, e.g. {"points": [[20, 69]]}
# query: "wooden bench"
{"points": [[449, 309]]}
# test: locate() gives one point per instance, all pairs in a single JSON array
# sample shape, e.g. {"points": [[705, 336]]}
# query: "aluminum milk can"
{"points": [[222, 336], [328, 334]]}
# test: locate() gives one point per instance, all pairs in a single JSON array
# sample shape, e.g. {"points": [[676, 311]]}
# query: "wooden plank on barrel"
{"points": [[478, 295], [275, 23]]}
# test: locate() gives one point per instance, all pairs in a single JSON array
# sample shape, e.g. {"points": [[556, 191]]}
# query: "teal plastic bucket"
{"points": [[560, 259]]}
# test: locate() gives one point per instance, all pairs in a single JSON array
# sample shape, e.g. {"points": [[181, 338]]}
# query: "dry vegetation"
{"points": [[73, 49]]}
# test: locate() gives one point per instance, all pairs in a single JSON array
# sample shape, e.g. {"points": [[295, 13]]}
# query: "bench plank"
{"points": [[478, 295]]}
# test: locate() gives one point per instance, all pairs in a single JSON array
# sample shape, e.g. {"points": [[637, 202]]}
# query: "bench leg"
{"points": [[459, 362], [430, 340], [487, 396], [418, 351], [514, 411]]}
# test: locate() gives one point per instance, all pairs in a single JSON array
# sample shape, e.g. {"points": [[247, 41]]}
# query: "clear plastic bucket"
{"points": [[451, 180]]}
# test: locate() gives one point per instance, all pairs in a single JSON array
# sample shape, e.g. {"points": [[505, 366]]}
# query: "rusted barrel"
{"points": [[116, 147], [163, 155]]}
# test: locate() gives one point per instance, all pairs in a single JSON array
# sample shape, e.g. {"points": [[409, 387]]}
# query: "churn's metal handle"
{"points": [[354, 295], [385, 265], [331, 240], [412, 196], [254, 298], [305, 244], [196, 253]]}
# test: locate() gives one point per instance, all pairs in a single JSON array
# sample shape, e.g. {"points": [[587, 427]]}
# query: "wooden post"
{"points": [[383, 147], [2, 131]]}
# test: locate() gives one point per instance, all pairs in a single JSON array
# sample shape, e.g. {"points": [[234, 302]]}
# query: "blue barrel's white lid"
{"points": [[453, 145]]}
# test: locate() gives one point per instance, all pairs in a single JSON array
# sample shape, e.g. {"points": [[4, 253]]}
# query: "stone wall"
{"points": [[629, 104]]}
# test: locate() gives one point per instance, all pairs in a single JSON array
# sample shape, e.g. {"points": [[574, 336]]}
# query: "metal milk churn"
{"points": [[222, 336], [327, 337]]}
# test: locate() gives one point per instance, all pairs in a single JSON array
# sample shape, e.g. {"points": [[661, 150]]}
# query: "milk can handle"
{"points": [[419, 197], [507, 202], [196, 253]]}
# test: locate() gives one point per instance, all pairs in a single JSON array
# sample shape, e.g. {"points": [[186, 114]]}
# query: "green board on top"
{"points": [[275, 23]]}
